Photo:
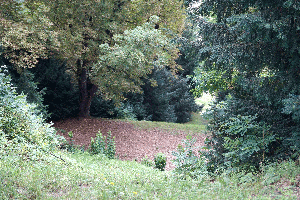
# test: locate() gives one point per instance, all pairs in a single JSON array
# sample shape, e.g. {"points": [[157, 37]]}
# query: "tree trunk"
{"points": [[87, 91]]}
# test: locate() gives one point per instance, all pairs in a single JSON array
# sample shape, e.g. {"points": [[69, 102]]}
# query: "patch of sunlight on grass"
{"points": [[205, 100], [196, 126], [197, 119]]}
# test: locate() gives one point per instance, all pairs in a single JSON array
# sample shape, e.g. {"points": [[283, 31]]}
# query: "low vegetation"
{"points": [[33, 167], [85, 176]]}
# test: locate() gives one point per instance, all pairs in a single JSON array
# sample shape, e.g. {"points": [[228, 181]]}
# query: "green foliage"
{"points": [[50, 86], [160, 161], [135, 101], [125, 111], [187, 163], [98, 145], [136, 51], [110, 146], [147, 162], [61, 92], [25, 82], [170, 100], [23, 132], [70, 146], [236, 141], [109, 46], [102, 108], [248, 49], [95, 176], [292, 106], [211, 81], [103, 145], [245, 141]]}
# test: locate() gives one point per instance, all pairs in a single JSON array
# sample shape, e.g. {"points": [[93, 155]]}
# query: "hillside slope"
{"points": [[133, 142]]}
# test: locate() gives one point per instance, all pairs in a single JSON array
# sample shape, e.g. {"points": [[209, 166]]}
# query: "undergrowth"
{"points": [[85, 176]]}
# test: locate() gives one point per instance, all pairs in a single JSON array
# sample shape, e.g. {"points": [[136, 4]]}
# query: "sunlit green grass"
{"points": [[96, 177], [205, 100], [196, 126]]}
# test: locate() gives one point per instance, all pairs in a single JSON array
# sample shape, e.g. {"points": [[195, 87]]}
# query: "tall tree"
{"points": [[73, 31], [250, 50]]}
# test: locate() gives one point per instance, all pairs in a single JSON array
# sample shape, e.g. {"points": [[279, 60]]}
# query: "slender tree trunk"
{"points": [[87, 91]]}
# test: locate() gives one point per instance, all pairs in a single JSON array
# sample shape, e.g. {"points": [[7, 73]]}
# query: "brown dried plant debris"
{"points": [[131, 143]]}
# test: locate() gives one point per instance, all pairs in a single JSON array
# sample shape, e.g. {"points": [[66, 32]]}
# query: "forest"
{"points": [[88, 87]]}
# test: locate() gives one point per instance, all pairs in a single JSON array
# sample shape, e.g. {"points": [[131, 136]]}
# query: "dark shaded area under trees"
{"points": [[54, 89]]}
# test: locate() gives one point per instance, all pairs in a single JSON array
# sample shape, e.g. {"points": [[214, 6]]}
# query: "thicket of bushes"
{"points": [[250, 128], [23, 132]]}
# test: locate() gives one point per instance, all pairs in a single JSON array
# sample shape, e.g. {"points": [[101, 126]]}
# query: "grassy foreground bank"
{"points": [[83, 176]]}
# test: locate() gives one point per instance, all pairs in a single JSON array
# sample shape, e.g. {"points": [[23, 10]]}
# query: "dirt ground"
{"points": [[132, 143]]}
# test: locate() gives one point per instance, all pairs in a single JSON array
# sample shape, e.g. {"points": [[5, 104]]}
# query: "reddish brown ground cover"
{"points": [[132, 143]]}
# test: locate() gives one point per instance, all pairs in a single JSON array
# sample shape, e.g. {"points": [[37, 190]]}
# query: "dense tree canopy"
{"points": [[250, 49], [73, 31]]}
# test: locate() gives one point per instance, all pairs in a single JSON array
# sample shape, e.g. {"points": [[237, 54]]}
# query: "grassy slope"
{"points": [[196, 126], [95, 177]]}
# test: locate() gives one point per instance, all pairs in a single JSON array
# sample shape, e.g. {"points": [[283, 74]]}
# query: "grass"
{"points": [[196, 126], [85, 176], [96, 177], [205, 100]]}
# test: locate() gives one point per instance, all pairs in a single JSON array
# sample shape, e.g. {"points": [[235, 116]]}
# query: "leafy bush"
{"points": [[103, 145], [22, 131], [292, 108], [110, 146], [125, 111], [187, 163], [129, 109], [70, 146], [263, 80], [147, 162], [170, 100], [102, 108], [236, 141], [160, 161], [24, 81], [61, 91]]}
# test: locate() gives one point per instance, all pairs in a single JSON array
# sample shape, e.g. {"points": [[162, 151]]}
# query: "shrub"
{"points": [[102, 108], [23, 132], [160, 161], [110, 146], [129, 109], [236, 141], [61, 91], [125, 111], [103, 145], [187, 163], [24, 81], [292, 108], [170, 100], [147, 162], [70, 146]]}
